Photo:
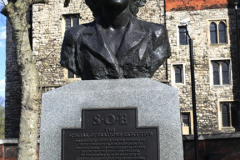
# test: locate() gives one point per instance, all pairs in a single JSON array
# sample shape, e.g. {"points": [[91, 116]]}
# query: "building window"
{"points": [[72, 75], [230, 114], [186, 127], [178, 74], [222, 32], [185, 119], [221, 72], [183, 40], [218, 32], [70, 20], [215, 73], [213, 32]]}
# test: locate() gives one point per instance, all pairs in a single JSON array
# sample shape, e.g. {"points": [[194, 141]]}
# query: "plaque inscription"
{"points": [[110, 134]]}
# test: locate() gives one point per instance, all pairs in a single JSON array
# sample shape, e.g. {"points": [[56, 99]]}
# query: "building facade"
{"points": [[213, 30]]}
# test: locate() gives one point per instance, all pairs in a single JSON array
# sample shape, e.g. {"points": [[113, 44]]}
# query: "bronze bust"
{"points": [[116, 44]]}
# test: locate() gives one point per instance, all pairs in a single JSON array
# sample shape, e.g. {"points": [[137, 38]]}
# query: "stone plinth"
{"points": [[157, 105]]}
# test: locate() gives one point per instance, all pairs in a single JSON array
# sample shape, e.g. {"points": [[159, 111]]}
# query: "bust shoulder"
{"points": [[157, 29], [72, 34]]}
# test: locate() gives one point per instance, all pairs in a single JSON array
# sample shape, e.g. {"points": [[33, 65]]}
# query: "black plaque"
{"points": [[110, 134]]}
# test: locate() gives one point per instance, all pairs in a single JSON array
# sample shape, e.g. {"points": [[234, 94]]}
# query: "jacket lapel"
{"points": [[134, 35], [93, 39]]}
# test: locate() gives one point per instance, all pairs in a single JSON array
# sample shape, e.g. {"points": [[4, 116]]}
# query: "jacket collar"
{"points": [[92, 37]]}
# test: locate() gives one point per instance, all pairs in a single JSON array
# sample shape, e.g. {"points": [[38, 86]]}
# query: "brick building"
{"points": [[213, 30]]}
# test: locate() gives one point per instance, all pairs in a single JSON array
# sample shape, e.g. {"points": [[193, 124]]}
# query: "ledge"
{"points": [[7, 141], [212, 136]]}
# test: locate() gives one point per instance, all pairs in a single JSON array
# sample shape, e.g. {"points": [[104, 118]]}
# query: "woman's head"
{"points": [[96, 6]]}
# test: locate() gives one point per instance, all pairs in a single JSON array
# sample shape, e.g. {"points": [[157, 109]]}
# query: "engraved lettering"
{"points": [[96, 119], [110, 119], [109, 129], [123, 119], [110, 134]]}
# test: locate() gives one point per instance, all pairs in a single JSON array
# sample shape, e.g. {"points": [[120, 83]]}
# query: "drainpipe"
{"points": [[186, 21], [236, 12]]}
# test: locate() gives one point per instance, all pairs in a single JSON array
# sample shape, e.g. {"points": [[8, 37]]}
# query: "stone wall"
{"points": [[207, 95]]}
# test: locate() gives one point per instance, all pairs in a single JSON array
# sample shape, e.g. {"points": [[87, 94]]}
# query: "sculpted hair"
{"points": [[96, 6]]}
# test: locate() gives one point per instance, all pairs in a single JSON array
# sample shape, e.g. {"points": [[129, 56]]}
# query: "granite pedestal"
{"points": [[157, 105]]}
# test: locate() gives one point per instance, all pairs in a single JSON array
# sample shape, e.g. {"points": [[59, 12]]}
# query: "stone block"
{"points": [[157, 105]]}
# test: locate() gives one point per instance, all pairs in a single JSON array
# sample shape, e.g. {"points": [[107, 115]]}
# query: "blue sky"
{"points": [[2, 54]]}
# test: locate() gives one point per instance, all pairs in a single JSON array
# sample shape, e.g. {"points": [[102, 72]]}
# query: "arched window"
{"points": [[213, 32], [221, 72], [218, 31], [222, 32], [225, 115], [225, 73], [216, 73], [178, 74]]}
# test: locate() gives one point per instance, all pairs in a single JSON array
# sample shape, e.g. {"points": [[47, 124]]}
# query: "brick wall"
{"points": [[191, 5], [227, 149]]}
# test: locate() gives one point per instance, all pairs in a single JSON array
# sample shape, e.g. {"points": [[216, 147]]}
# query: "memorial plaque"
{"points": [[110, 134]]}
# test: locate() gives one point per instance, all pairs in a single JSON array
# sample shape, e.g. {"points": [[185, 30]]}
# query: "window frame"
{"points": [[65, 71], [190, 126], [74, 75], [178, 35], [71, 16], [220, 122], [173, 82], [216, 32], [225, 31], [217, 21], [220, 72]]}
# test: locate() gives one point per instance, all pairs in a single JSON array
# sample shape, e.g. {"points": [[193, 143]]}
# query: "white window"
{"points": [[187, 122], [70, 20], [178, 74], [183, 39], [229, 115], [220, 72], [218, 33]]}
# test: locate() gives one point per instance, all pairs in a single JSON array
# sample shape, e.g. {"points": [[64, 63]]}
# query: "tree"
{"points": [[16, 13], [2, 117]]}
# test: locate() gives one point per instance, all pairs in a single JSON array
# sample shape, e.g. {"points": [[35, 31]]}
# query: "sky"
{"points": [[2, 53]]}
